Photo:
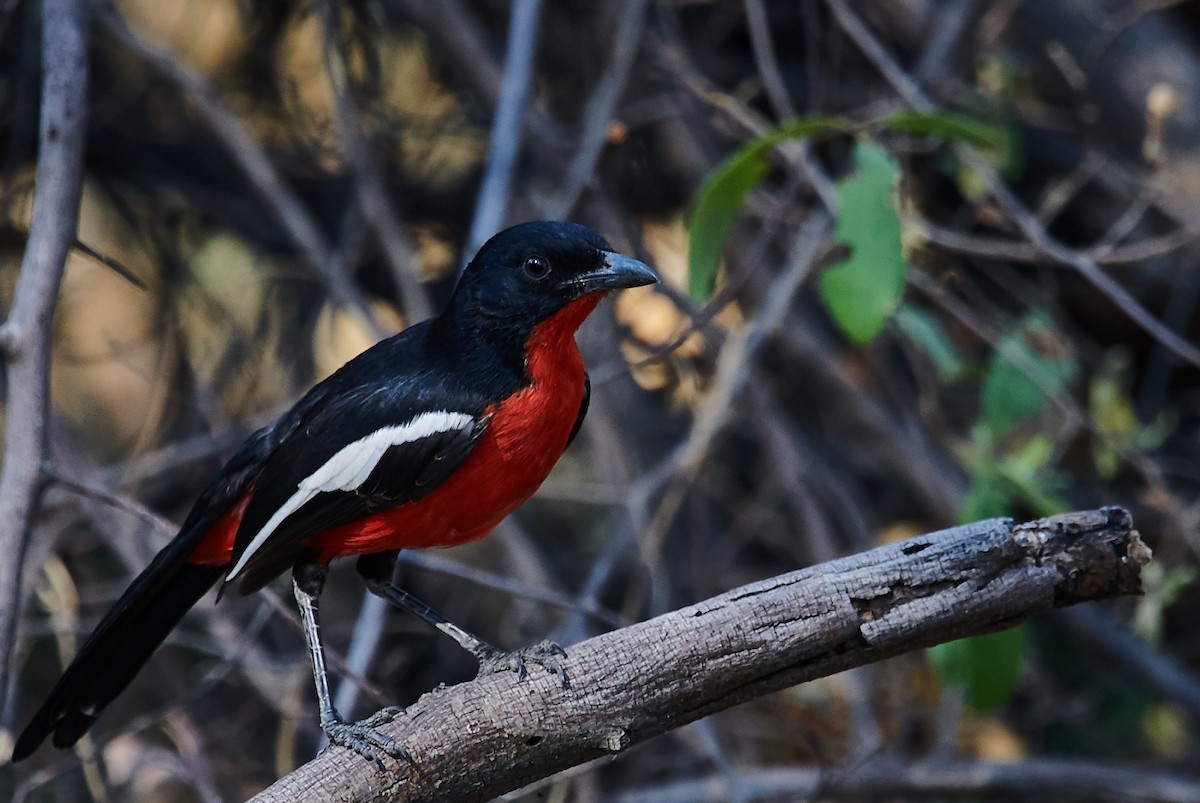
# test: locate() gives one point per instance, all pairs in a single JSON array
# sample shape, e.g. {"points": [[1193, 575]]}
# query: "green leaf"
{"points": [[861, 291], [984, 667], [1031, 480], [720, 200], [950, 125], [1002, 146], [1030, 361], [1002, 482], [927, 333], [988, 497]]}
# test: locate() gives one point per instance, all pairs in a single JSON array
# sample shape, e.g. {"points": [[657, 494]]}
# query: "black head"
{"points": [[526, 273]]}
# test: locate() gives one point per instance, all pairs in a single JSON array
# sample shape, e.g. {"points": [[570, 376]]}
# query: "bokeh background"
{"points": [[271, 186]]}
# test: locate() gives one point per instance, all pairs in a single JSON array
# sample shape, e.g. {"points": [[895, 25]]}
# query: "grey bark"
{"points": [[25, 335], [481, 739]]}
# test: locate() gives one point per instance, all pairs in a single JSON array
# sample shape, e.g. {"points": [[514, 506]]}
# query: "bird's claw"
{"points": [[545, 654], [382, 717], [363, 738]]}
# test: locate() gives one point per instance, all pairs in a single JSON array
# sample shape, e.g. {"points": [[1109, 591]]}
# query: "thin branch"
{"points": [[733, 368], [1016, 210], [1010, 250], [947, 37], [459, 35], [601, 108], [250, 156], [373, 198], [1081, 262], [114, 499], [25, 336], [1042, 779], [360, 655], [432, 562], [1138, 660], [496, 733], [759, 25], [508, 124], [907, 88], [680, 467]]}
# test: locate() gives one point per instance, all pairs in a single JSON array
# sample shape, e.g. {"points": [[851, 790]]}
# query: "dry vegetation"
{"points": [[270, 186]]}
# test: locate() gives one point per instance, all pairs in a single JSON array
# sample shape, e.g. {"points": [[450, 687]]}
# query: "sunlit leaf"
{"points": [[1167, 729], [861, 291], [719, 202]]}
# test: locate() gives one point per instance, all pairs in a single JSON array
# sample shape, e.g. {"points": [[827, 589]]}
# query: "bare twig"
{"points": [[373, 198], [462, 37], [508, 124], [733, 368], [947, 38], [25, 335], [907, 88], [432, 562], [250, 156], [678, 469], [1081, 262], [764, 56], [1016, 210], [600, 108], [1012, 250], [1048, 779], [1169, 675], [479, 739], [368, 631]]}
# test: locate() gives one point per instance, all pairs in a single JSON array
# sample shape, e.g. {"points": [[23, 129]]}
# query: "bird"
{"points": [[429, 438]]}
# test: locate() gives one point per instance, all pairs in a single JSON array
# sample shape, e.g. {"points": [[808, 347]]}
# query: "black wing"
{"points": [[356, 454], [583, 408]]}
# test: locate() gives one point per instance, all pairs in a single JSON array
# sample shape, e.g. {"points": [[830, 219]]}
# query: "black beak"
{"points": [[617, 272]]}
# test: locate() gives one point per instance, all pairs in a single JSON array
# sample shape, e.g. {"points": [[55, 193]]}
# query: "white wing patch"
{"points": [[350, 466]]}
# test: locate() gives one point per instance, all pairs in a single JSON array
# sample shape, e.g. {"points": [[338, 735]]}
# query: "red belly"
{"points": [[524, 439]]}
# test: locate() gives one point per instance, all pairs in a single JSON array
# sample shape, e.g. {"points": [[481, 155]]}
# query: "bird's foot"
{"points": [[363, 738], [545, 654]]}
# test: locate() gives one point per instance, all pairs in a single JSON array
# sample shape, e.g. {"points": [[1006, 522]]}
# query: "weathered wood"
{"points": [[483, 738], [25, 335]]}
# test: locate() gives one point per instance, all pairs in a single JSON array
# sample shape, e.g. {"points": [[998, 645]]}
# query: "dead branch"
{"points": [[1038, 779], [25, 336], [483, 738]]}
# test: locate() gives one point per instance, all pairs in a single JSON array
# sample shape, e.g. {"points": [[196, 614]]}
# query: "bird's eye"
{"points": [[536, 268]]}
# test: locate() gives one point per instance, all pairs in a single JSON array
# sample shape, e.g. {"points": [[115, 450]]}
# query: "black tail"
{"points": [[120, 645]]}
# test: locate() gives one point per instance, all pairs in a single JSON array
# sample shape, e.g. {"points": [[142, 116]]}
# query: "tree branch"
{"points": [[25, 336], [1030, 778], [266, 180], [1008, 201], [483, 738], [508, 125]]}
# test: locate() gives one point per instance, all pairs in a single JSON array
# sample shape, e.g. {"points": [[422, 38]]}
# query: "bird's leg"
{"points": [[361, 737], [376, 571]]}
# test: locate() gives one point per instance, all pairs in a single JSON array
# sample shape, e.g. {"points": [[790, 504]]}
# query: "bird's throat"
{"points": [[550, 351]]}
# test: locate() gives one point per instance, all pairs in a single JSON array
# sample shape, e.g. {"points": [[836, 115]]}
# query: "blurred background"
{"points": [[872, 324]]}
